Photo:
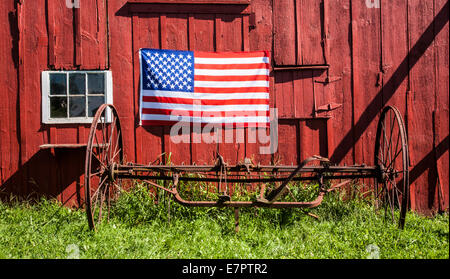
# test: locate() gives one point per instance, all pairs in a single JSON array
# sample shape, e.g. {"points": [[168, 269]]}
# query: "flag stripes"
{"points": [[202, 87]]}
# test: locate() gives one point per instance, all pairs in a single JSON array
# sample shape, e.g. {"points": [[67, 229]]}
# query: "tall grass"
{"points": [[140, 228]]}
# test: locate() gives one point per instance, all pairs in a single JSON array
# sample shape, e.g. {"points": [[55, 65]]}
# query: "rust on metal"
{"points": [[105, 170]]}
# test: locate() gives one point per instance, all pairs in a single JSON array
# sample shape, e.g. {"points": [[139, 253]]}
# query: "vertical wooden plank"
{"points": [[203, 146], [299, 13], [122, 59], [33, 59], [191, 43], [321, 92], [284, 93], [203, 32], [191, 38], [257, 140], [307, 94], [147, 32], [229, 37], [366, 70], [394, 51], [421, 61], [287, 140], [91, 34], [341, 91], [51, 32], [218, 33], [231, 33], [177, 35], [284, 32], [441, 145], [136, 87], [9, 142], [297, 84], [78, 36], [261, 37], [310, 28], [313, 138], [176, 32], [245, 33], [64, 35]]}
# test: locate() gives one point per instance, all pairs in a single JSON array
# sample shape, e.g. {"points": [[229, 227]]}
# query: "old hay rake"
{"points": [[105, 171]]}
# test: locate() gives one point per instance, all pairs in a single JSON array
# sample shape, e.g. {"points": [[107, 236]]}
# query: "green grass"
{"points": [[140, 229]]}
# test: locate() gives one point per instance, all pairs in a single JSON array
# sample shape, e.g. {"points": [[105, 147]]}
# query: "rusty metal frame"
{"points": [[251, 174], [111, 169]]}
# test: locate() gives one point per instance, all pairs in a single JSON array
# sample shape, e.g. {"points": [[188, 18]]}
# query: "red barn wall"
{"points": [[357, 53]]}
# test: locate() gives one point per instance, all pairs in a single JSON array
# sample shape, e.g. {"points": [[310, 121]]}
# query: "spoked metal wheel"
{"points": [[104, 151], [392, 160]]}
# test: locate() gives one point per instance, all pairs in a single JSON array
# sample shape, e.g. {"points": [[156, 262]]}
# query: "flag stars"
{"points": [[168, 70]]}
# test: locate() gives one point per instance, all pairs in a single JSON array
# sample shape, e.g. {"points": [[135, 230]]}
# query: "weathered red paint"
{"points": [[323, 52]]}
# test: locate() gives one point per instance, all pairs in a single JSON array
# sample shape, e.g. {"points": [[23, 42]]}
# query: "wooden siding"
{"points": [[344, 51]]}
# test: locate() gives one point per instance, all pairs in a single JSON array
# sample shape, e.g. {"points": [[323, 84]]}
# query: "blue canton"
{"points": [[169, 70]]}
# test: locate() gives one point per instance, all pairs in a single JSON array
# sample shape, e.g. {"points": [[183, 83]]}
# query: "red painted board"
{"points": [[441, 145], [340, 59], [284, 32], [421, 60], [309, 21], [366, 87]]}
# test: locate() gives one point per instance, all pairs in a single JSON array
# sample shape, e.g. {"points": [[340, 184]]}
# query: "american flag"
{"points": [[229, 88]]}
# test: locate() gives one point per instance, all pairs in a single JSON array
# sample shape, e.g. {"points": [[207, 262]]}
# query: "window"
{"points": [[74, 96]]}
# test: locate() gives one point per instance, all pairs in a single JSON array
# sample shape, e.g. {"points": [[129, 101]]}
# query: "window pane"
{"points": [[77, 106], [77, 84], [58, 107], [96, 83], [58, 84], [94, 102]]}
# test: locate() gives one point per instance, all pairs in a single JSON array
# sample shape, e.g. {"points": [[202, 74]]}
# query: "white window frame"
{"points": [[46, 119]]}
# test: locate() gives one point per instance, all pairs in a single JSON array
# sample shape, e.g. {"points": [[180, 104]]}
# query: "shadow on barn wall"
{"points": [[63, 167], [46, 168]]}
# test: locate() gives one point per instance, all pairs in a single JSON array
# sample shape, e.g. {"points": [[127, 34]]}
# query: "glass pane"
{"points": [[96, 83], [94, 102], [58, 107], [77, 84], [77, 106], [58, 84]]}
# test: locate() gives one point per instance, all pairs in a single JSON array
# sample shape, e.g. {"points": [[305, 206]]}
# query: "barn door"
{"points": [[196, 27]]}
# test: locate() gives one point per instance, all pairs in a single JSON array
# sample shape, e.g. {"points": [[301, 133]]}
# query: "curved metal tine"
{"points": [[108, 203], [384, 141], [385, 194], [396, 148], [395, 188], [115, 148], [397, 191], [104, 134], [97, 147], [111, 135], [395, 157], [95, 195], [390, 136], [386, 148], [117, 188], [290, 193], [101, 162], [96, 150], [102, 199], [390, 203], [94, 174]]}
